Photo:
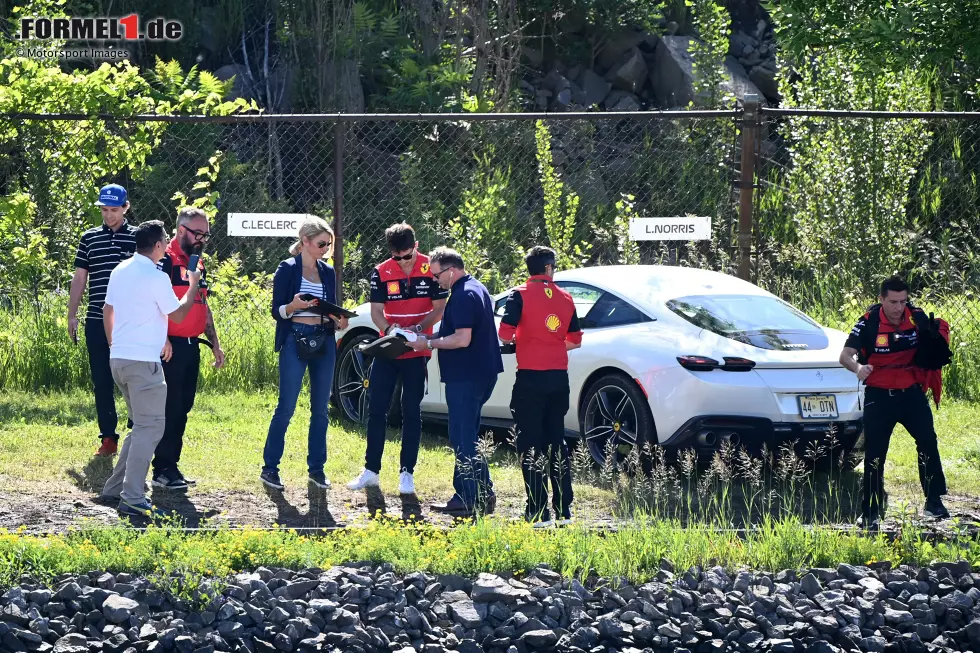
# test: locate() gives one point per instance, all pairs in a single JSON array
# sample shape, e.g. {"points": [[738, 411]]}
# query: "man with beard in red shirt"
{"points": [[181, 356], [886, 341]]}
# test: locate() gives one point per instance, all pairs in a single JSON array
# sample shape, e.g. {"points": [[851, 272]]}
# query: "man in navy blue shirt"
{"points": [[469, 362]]}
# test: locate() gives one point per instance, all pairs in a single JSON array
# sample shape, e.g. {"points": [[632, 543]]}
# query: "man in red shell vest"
{"points": [[885, 341], [403, 294], [181, 357], [540, 319]]}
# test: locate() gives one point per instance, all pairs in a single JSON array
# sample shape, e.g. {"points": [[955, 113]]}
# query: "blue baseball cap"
{"points": [[112, 195]]}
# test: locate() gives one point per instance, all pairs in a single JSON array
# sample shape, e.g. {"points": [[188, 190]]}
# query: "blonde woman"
{"points": [[304, 339]]}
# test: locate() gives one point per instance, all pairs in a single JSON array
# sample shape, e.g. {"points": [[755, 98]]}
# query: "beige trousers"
{"points": [[145, 390]]}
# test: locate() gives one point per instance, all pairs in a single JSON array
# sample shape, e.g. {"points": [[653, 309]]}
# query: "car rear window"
{"points": [[757, 320]]}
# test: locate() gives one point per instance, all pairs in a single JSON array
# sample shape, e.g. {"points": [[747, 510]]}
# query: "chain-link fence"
{"points": [[837, 203]]}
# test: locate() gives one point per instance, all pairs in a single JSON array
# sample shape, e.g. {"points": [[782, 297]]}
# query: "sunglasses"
{"points": [[200, 235], [436, 275], [405, 257], [324, 243]]}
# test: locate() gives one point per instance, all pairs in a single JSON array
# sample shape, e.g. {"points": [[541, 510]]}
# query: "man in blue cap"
{"points": [[100, 250]]}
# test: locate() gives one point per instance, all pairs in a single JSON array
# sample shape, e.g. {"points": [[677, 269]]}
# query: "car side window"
{"points": [[498, 306], [612, 311], [583, 295]]}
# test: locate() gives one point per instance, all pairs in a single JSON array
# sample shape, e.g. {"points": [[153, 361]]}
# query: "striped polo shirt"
{"points": [[100, 250]]}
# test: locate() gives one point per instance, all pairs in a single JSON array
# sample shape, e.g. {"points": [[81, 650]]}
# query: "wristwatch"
{"points": [[428, 343], [418, 328]]}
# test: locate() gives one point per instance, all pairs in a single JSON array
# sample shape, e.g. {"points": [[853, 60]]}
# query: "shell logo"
{"points": [[552, 322], [393, 288], [882, 340]]}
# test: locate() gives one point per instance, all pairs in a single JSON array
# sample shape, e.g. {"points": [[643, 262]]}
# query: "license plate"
{"points": [[818, 406]]}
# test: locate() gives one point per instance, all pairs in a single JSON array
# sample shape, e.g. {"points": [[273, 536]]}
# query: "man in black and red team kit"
{"points": [[181, 356], [403, 294], [540, 319], [896, 346]]}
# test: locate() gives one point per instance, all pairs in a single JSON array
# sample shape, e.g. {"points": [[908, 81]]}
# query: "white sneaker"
{"points": [[561, 523], [365, 480], [543, 524], [406, 483]]}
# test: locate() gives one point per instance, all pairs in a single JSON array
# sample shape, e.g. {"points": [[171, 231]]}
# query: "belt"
{"points": [[191, 341], [891, 391]]}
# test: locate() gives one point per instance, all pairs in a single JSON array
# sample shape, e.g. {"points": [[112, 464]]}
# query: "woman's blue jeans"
{"points": [[291, 372]]}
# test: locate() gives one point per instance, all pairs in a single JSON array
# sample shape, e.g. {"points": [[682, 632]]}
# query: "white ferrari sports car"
{"points": [[680, 357]]}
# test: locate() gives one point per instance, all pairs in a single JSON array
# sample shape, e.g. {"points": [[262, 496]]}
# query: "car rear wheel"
{"points": [[615, 419], [352, 392]]}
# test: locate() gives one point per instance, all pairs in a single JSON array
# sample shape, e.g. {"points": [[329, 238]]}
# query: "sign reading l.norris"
{"points": [[688, 228], [281, 225]]}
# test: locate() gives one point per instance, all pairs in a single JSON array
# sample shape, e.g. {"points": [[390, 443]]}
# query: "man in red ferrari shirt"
{"points": [[540, 318], [403, 294], [885, 341], [182, 358]]}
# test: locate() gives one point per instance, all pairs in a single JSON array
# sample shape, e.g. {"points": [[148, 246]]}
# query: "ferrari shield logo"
{"points": [[425, 268], [549, 292], [552, 322], [393, 288], [881, 340]]}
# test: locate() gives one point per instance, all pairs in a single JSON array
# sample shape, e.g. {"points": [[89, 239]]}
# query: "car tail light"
{"points": [[698, 363], [735, 364]]}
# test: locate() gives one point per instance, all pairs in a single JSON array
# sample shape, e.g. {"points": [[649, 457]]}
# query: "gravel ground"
{"points": [[366, 607]]}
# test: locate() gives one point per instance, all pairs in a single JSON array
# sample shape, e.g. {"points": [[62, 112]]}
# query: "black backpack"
{"points": [[933, 352]]}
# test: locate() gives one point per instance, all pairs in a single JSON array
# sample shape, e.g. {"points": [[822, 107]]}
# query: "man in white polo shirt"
{"points": [[138, 301]]}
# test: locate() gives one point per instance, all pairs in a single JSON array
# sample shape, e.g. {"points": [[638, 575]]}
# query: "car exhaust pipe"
{"points": [[731, 438], [707, 438]]}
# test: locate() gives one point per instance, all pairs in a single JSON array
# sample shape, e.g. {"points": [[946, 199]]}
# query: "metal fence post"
{"points": [[339, 135], [746, 187]]}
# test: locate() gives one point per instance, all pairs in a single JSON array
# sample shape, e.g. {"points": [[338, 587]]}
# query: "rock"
{"points": [[619, 44], [672, 75], [830, 599], [765, 80], [117, 609], [539, 638], [465, 614], [593, 89], [669, 630], [72, 643], [69, 592], [230, 629], [489, 588], [811, 586], [895, 617], [852, 573], [631, 73], [13, 614], [626, 103], [301, 588]]}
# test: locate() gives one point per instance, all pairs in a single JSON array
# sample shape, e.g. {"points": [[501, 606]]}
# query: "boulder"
{"points": [[672, 74], [630, 74], [594, 88]]}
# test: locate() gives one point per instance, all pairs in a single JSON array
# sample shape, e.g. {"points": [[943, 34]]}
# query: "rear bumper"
{"points": [[707, 433]]}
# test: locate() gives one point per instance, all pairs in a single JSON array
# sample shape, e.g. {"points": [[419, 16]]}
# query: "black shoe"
{"points": [[489, 505], [320, 480], [454, 507], [935, 508], [170, 483], [190, 481], [272, 480]]}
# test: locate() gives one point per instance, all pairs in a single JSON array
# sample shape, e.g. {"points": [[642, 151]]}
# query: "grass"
{"points": [[633, 553], [47, 441]]}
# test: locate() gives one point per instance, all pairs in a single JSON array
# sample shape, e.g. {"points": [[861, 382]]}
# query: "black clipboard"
{"points": [[390, 346], [326, 309]]}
